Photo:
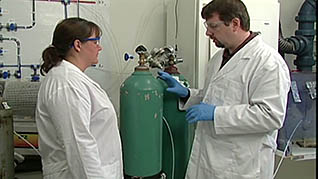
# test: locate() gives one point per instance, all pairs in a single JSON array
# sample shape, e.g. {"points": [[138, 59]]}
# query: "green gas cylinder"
{"points": [[182, 132], [141, 109]]}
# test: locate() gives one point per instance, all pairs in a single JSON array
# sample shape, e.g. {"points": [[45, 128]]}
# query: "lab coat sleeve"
{"points": [[266, 106], [195, 98], [70, 111]]}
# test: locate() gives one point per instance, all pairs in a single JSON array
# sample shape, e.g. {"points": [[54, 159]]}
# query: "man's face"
{"points": [[217, 30]]}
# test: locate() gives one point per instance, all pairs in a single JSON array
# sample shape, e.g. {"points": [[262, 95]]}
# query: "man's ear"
{"points": [[77, 44], [236, 23]]}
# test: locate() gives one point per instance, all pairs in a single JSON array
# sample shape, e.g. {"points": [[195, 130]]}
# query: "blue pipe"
{"points": [[306, 19], [18, 72], [302, 43]]}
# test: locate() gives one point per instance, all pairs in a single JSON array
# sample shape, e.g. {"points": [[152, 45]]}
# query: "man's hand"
{"points": [[173, 85], [200, 112]]}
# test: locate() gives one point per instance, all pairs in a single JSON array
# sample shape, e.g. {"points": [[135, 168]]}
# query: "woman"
{"points": [[77, 124]]}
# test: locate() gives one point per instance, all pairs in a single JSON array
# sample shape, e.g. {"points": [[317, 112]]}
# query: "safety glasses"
{"points": [[212, 25], [95, 40]]}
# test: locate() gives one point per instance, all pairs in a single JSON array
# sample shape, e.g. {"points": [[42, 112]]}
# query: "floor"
{"points": [[29, 175], [30, 168], [290, 169]]}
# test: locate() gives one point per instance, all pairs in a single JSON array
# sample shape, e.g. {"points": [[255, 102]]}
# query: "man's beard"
{"points": [[218, 44]]}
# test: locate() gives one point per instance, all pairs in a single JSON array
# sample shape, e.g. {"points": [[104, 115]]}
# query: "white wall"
{"points": [[125, 25], [132, 22]]}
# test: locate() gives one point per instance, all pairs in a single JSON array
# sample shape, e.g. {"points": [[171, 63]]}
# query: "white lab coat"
{"points": [[250, 94], [77, 125]]}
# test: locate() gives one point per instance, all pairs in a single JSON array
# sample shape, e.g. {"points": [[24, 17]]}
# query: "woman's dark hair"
{"points": [[64, 35], [227, 10]]}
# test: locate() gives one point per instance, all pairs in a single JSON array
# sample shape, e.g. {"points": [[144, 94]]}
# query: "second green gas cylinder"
{"points": [[182, 133]]}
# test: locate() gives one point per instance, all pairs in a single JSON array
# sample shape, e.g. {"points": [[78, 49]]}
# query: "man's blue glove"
{"points": [[173, 85], [200, 112]]}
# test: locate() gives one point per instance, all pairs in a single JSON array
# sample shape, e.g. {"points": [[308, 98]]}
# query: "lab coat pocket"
{"points": [[56, 170], [63, 174], [267, 156], [247, 162], [112, 171], [212, 152], [269, 142], [224, 91], [232, 91]]}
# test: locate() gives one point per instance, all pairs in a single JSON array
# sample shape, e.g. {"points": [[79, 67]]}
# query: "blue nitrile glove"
{"points": [[200, 112], [173, 85]]}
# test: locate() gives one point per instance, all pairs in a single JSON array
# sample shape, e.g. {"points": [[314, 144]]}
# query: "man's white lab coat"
{"points": [[77, 125], [250, 94]]}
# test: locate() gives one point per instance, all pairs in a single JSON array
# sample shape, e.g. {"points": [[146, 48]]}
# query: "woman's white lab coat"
{"points": [[77, 125], [250, 93]]}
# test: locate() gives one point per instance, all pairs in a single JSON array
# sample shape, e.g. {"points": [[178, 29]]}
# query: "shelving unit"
{"points": [[25, 126]]}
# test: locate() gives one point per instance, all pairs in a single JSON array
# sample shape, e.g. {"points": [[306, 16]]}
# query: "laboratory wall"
{"points": [[125, 24], [131, 23]]}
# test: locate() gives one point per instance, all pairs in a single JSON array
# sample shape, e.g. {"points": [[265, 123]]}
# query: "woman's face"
{"points": [[91, 47]]}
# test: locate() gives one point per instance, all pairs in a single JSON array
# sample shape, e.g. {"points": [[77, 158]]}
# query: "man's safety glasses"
{"points": [[212, 25]]}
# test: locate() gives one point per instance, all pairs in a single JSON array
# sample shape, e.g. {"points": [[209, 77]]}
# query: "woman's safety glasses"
{"points": [[96, 40]]}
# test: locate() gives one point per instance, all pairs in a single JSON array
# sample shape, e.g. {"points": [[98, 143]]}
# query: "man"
{"points": [[242, 104]]}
